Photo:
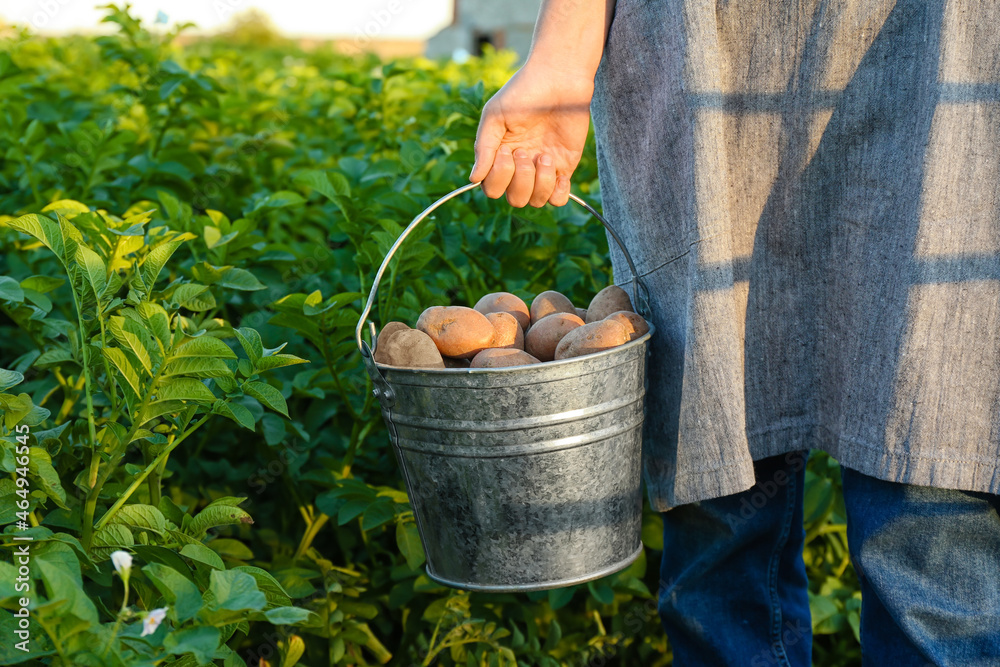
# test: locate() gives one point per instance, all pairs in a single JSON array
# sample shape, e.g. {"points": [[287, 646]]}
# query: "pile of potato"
{"points": [[501, 331]]}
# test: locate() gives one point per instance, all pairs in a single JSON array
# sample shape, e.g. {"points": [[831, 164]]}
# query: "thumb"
{"points": [[488, 139]]}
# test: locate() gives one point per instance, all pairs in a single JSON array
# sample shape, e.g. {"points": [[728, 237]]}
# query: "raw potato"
{"points": [[499, 357], [609, 300], [634, 323], [456, 330], [590, 338], [582, 313], [505, 302], [550, 302], [383, 338], [543, 336], [411, 349], [508, 331]]}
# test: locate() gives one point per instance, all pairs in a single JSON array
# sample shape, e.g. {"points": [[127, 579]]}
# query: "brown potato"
{"points": [[456, 330], [383, 337], [505, 302], [543, 336], [502, 357], [590, 338], [634, 323], [609, 300], [582, 313], [508, 331], [550, 302], [411, 349]]}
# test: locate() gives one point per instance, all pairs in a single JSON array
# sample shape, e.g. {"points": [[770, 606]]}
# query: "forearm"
{"points": [[569, 36]]}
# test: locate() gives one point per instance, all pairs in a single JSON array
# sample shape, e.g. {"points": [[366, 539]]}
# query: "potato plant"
{"points": [[186, 234]]}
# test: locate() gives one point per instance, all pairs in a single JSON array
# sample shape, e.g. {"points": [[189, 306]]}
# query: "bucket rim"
{"points": [[641, 340], [539, 586]]}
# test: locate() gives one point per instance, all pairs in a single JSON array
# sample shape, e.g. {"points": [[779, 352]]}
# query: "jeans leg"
{"points": [[929, 564], [733, 589]]}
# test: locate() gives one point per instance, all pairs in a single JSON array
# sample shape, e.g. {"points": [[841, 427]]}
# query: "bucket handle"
{"points": [[640, 295]]}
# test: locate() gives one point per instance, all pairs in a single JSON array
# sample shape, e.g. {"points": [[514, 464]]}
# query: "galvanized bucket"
{"points": [[521, 478]]}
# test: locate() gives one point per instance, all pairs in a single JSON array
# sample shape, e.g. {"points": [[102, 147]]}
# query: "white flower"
{"points": [[152, 620], [122, 560]]}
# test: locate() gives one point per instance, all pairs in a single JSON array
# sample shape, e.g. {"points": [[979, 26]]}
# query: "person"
{"points": [[811, 192]]}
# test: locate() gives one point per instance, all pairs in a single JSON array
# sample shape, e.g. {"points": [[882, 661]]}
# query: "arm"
{"points": [[532, 132]]}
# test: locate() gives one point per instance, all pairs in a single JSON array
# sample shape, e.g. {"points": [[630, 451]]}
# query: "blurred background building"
{"points": [[476, 23]]}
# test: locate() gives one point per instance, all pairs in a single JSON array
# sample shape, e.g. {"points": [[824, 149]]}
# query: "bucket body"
{"points": [[524, 478]]}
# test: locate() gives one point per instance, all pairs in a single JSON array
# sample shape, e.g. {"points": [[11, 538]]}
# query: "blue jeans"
{"points": [[734, 589]]}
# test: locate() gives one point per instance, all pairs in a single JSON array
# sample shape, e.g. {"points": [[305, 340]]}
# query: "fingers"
{"points": [[499, 177], [488, 137], [545, 180], [561, 193], [523, 182]]}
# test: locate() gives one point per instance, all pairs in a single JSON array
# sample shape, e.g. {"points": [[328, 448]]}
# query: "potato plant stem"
{"points": [[162, 456]]}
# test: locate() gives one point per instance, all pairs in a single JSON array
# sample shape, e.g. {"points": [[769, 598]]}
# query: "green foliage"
{"points": [[171, 212]]}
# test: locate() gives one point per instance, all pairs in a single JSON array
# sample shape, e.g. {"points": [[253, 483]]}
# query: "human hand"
{"points": [[531, 137]]}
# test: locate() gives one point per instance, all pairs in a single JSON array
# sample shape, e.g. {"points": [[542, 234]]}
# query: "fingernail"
{"points": [[473, 170], [546, 160], [520, 153]]}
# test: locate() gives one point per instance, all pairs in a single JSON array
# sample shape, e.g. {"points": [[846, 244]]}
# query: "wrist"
{"points": [[562, 72]]}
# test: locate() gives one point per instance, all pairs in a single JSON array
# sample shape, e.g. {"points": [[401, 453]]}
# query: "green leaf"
{"points": [[601, 592], [113, 535], [240, 279], [10, 290], [67, 207], [250, 340], [194, 297], [202, 554], [377, 514], [183, 389], [233, 549], [288, 615], [156, 320], [275, 593], [280, 199], [560, 597], [279, 361], [60, 585], [135, 338], [94, 269], [202, 367], [46, 477], [235, 591], [183, 596], [154, 262], [9, 379], [204, 346], [200, 641], [320, 182], [217, 515], [141, 517], [50, 233], [42, 284], [267, 395], [408, 541], [124, 367], [236, 412]]}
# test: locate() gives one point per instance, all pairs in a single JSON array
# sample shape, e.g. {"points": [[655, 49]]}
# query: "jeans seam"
{"points": [[777, 643]]}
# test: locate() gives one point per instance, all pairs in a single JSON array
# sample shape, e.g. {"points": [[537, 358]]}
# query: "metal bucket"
{"points": [[521, 478]]}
